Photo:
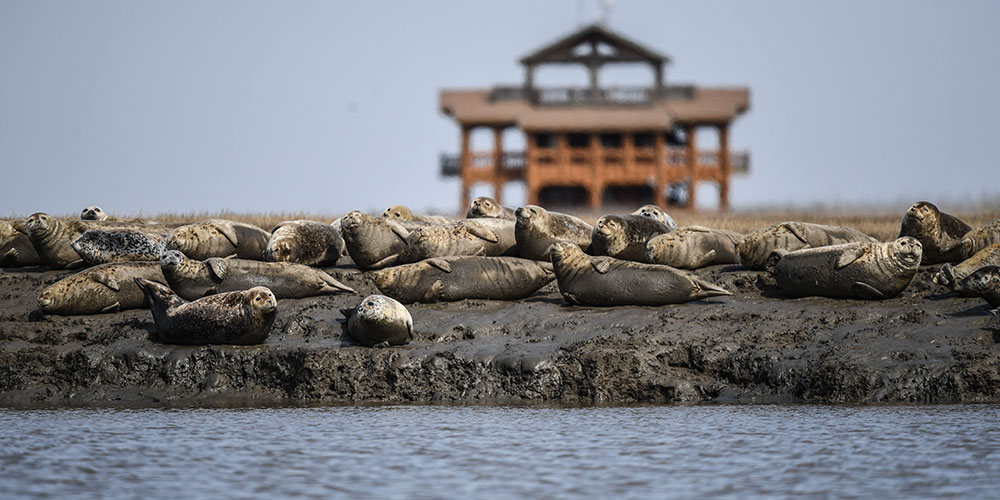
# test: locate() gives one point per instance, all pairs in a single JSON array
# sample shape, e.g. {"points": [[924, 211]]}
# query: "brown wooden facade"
{"points": [[597, 138]]}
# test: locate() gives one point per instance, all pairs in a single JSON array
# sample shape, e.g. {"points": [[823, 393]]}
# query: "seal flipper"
{"points": [[440, 264], [229, 233], [771, 262], [946, 276], [333, 283], [850, 256], [386, 262], [482, 232], [433, 293], [570, 298], [107, 279], [113, 308], [217, 267], [705, 259], [398, 229], [10, 257], [867, 290], [75, 264], [601, 265], [796, 231]]}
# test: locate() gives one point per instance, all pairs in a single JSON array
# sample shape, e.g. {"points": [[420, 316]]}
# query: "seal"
{"points": [[99, 246], [757, 246], [53, 238], [401, 212], [985, 283], [219, 238], [981, 237], [193, 279], [305, 242], [939, 233], [446, 279], [536, 229], [624, 236], [16, 249], [374, 243], [951, 276], [485, 237], [103, 289], [94, 212], [694, 247], [607, 281], [240, 318], [485, 207], [871, 271], [379, 321], [656, 213]]}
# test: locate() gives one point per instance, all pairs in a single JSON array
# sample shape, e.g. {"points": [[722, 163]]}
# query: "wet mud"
{"points": [[927, 345]]}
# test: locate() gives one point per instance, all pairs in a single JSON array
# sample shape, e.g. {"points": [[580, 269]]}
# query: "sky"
{"points": [[325, 106]]}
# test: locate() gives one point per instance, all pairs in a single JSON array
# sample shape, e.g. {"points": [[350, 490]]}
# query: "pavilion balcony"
{"points": [[585, 96], [513, 162]]}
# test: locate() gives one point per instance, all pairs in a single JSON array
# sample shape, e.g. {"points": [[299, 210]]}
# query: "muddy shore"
{"points": [[927, 346]]}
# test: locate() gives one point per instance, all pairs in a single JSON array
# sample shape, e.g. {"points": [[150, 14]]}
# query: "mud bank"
{"points": [[927, 345]]}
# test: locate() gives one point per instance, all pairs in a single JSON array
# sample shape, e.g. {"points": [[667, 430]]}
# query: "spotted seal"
{"points": [[951, 276], [219, 238], [240, 318], [939, 233], [401, 212], [656, 213], [757, 246], [536, 229], [870, 271], [192, 279], [99, 246], [16, 249], [980, 237], [624, 236], [985, 283], [53, 238], [485, 237], [305, 242], [444, 279], [102, 289], [485, 207], [607, 281], [372, 242], [379, 321], [694, 247]]}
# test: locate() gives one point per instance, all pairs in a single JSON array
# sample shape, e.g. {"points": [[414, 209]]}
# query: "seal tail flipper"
{"points": [[771, 263], [996, 314], [333, 283], [704, 289], [153, 289], [946, 276], [867, 291]]}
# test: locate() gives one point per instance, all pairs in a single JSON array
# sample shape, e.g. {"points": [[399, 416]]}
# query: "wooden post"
{"points": [[628, 151], [498, 167], [465, 168], [660, 198], [530, 166], [658, 84], [692, 158], [596, 188], [725, 166]]}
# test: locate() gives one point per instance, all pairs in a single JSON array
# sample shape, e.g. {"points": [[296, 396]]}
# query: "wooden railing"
{"points": [[578, 96], [739, 161]]}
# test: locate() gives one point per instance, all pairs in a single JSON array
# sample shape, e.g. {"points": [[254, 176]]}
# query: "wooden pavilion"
{"points": [[597, 141]]}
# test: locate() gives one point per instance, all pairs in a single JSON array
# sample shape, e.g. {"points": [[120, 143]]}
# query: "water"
{"points": [[389, 452]]}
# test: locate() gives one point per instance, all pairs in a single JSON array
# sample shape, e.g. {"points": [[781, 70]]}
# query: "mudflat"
{"points": [[927, 345]]}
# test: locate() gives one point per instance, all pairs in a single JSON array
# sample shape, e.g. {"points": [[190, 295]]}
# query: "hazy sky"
{"points": [[330, 106]]}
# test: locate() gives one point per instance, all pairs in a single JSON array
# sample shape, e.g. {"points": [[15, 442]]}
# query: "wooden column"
{"points": [[628, 151], [498, 167], [465, 168], [658, 84], [596, 184], [660, 198], [725, 166], [530, 169], [692, 159]]}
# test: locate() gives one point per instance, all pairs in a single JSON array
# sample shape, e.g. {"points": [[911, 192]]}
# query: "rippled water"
{"points": [[503, 452]]}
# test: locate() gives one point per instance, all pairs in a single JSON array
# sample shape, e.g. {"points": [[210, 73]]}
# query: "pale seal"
{"points": [[485, 207], [16, 249], [372, 242], [219, 238], [694, 247], [102, 289], [870, 271], [536, 229], [624, 236], [444, 279], [379, 321], [94, 212], [656, 213], [939, 233], [240, 318], [951, 276], [980, 238], [607, 281], [401, 212], [192, 279], [757, 246], [99, 246], [484, 237], [305, 242], [985, 283], [53, 238]]}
